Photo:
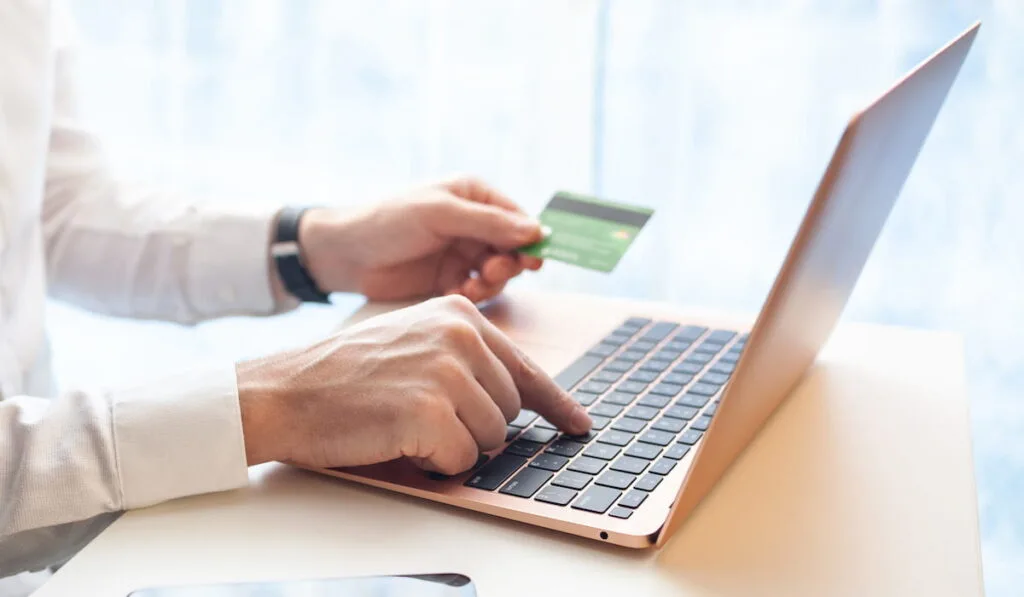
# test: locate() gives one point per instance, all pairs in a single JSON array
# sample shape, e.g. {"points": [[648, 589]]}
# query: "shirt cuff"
{"points": [[229, 264], [180, 437]]}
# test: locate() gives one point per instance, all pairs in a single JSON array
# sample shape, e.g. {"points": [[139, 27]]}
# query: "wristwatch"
{"points": [[287, 255]]}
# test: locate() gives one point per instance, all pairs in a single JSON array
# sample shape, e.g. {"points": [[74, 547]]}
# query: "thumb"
{"points": [[496, 226]]}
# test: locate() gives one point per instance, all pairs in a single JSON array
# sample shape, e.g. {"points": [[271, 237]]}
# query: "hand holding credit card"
{"points": [[587, 231]]}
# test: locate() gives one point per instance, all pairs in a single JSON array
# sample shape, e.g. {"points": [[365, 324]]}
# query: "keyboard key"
{"points": [[636, 322], [480, 461], [605, 409], [523, 448], [645, 451], [643, 376], [571, 480], [694, 400], [580, 368], [648, 483], [663, 466], [629, 425], [658, 438], [602, 350], [616, 480], [632, 355], [619, 366], [583, 439], [544, 424], [590, 466], [688, 368], [712, 409], [597, 499], [690, 437], [511, 433], [633, 499], [730, 357], [681, 411], [601, 451], [642, 412], [629, 464], [584, 398], [670, 424], [702, 423], [619, 512], [564, 447], [606, 376], [677, 346], [615, 438], [723, 368], [667, 355], [677, 451], [631, 387], [701, 358], [655, 366], [721, 336], [654, 401], [598, 422], [559, 496], [526, 482], [494, 473], [620, 399], [524, 418], [703, 389], [616, 339], [709, 347], [596, 387], [666, 389], [660, 331], [549, 462], [679, 379], [712, 377], [642, 345], [689, 333], [536, 434]]}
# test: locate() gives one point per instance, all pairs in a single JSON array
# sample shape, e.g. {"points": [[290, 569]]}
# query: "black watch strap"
{"points": [[288, 258]]}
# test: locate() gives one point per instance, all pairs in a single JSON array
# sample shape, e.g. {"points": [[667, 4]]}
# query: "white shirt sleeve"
{"points": [[86, 454], [124, 251]]}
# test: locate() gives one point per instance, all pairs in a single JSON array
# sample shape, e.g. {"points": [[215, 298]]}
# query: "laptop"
{"points": [[675, 403]]}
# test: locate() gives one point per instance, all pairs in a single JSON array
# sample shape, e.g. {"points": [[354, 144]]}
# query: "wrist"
{"points": [[257, 404], [329, 248]]}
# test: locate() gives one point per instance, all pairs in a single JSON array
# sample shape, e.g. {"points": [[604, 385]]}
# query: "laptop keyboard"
{"points": [[651, 389]]}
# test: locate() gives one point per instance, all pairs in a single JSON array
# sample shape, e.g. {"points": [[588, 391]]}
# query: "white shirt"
{"points": [[68, 228]]}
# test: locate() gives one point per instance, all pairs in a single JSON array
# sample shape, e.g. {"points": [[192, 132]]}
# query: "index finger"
{"points": [[537, 390], [473, 189]]}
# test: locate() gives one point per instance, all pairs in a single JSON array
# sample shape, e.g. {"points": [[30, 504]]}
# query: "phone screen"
{"points": [[427, 585]]}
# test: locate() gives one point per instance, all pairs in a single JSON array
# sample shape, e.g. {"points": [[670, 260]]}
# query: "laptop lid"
{"points": [[841, 225]]}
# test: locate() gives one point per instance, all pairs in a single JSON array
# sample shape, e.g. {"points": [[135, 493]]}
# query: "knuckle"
{"points": [[459, 304], [449, 371]]}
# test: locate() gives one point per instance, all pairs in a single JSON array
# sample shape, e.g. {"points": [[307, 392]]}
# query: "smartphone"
{"points": [[422, 585]]}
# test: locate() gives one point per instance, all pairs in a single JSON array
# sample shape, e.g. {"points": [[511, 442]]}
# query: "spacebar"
{"points": [[571, 375]]}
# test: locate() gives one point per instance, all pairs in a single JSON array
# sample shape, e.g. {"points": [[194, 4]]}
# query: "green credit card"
{"points": [[587, 231]]}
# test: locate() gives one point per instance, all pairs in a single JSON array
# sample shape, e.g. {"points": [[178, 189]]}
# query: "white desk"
{"points": [[861, 484]]}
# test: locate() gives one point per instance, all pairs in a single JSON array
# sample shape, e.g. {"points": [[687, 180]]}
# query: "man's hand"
{"points": [[457, 237], [435, 382]]}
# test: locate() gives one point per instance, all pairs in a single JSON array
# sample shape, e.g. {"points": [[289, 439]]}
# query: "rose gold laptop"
{"points": [[674, 403]]}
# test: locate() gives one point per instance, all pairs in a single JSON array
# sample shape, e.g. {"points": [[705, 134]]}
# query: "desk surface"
{"points": [[861, 484]]}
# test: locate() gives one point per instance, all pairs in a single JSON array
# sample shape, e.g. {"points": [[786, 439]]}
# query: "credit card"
{"points": [[587, 231]]}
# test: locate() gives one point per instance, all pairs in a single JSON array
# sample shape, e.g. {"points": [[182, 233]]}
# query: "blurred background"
{"points": [[719, 115]]}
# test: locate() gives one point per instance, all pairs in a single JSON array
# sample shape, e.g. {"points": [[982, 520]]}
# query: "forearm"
{"points": [[87, 454], [114, 251]]}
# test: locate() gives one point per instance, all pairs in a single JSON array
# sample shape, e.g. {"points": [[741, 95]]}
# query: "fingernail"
{"points": [[527, 223], [580, 418], [545, 231]]}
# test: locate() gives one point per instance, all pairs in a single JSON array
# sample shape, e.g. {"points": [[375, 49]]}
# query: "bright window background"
{"points": [[722, 117]]}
